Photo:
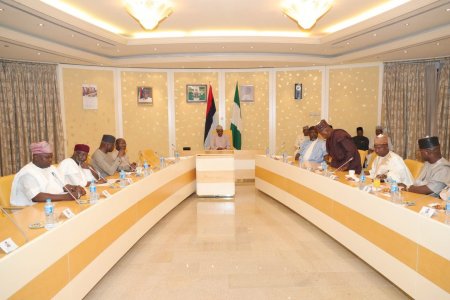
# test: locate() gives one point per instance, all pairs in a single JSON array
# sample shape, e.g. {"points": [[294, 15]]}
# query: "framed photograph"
{"points": [[298, 91], [145, 95], [196, 93], [247, 93]]}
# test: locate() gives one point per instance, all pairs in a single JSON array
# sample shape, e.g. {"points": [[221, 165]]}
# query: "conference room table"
{"points": [[409, 249], [68, 260]]}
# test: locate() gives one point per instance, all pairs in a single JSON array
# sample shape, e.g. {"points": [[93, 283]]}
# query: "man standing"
{"points": [[340, 147], [75, 169], [39, 180], [220, 141], [121, 145], [388, 164], [313, 149], [103, 162], [361, 142], [435, 173]]}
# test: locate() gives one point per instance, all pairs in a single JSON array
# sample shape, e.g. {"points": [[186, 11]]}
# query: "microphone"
{"points": [[63, 187], [96, 172], [15, 224], [349, 160]]}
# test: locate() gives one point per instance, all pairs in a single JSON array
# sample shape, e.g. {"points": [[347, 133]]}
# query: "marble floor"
{"points": [[250, 247]]}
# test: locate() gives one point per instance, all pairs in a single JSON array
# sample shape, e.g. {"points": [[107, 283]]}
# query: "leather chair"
{"points": [[5, 192], [414, 167], [150, 156], [362, 154]]}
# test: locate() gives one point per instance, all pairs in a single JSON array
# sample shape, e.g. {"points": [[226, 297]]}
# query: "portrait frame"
{"points": [[196, 93], [144, 95], [247, 93]]}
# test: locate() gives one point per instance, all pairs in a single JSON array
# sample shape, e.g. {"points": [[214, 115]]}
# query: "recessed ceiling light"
{"points": [[348, 43], [406, 24], [1, 9], [290, 49], [251, 47], [223, 47], [437, 44], [72, 35], [448, 9], [155, 49], [374, 34], [41, 25], [405, 51], [39, 53], [98, 44]]}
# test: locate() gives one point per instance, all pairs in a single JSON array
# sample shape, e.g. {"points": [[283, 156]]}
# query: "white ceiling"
{"points": [[261, 35]]}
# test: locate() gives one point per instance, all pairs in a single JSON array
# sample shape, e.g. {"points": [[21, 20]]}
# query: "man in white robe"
{"points": [[301, 138], [435, 174], [220, 141], [39, 180], [75, 169], [313, 149], [388, 164]]}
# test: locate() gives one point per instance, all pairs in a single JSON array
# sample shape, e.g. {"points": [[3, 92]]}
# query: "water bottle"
{"points": [[300, 162], [324, 168], [447, 209], [395, 195], [162, 162], [122, 177], [284, 155], [177, 156], [146, 169], [267, 152], [93, 196], [362, 181], [49, 210]]}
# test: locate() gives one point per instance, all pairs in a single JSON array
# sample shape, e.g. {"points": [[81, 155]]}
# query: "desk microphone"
{"points": [[15, 224], [349, 160], [96, 172], [63, 187]]}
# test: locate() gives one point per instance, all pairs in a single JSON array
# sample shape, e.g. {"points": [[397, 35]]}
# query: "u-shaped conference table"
{"points": [[66, 262]]}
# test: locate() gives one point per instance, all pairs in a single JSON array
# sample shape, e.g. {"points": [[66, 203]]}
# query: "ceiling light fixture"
{"points": [[149, 13], [306, 12]]}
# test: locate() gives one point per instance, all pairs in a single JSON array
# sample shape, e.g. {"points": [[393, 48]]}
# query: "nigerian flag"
{"points": [[236, 121]]}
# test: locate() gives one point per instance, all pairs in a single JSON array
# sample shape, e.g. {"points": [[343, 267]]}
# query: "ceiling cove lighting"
{"points": [[75, 12], [149, 13], [305, 12], [367, 15]]}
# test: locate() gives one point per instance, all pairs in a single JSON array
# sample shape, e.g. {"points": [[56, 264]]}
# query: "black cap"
{"points": [[428, 142], [108, 139]]}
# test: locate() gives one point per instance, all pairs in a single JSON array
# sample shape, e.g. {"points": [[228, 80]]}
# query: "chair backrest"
{"points": [[414, 167], [5, 190], [371, 159], [229, 133], [362, 154], [150, 156]]}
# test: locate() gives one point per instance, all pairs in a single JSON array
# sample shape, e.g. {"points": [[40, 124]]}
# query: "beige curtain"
{"points": [[443, 108], [29, 112], [404, 106]]}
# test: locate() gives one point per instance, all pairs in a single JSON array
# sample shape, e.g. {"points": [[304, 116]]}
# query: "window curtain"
{"points": [[443, 108], [29, 112], [404, 106]]}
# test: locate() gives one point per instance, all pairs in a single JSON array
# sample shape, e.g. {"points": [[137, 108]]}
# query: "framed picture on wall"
{"points": [[246, 93], [196, 93], [298, 91], [145, 95]]}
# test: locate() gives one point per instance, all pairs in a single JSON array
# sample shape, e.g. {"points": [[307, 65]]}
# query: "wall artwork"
{"points": [[196, 93], [246, 93], [89, 92], [145, 95]]}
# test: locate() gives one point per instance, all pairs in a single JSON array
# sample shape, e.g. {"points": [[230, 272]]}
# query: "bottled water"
{"points": [[49, 210], [395, 194], [447, 209], [93, 196], [267, 152], [284, 155], [123, 177], [146, 169], [177, 156], [324, 168], [362, 180], [162, 162]]}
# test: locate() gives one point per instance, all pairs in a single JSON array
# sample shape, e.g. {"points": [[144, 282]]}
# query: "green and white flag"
{"points": [[236, 121]]}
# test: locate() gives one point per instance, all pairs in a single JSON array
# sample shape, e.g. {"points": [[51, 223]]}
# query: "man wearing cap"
{"points": [[378, 131], [361, 142], [313, 149], [121, 145], [340, 147], [104, 163], [435, 172], [220, 141], [39, 180], [388, 164], [302, 138], [75, 169]]}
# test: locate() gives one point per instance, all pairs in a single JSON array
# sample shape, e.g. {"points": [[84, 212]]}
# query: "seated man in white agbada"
{"points": [[313, 149], [388, 164], [39, 180], [75, 169], [220, 141]]}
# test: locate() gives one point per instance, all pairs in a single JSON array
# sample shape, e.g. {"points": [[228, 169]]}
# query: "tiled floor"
{"points": [[250, 247]]}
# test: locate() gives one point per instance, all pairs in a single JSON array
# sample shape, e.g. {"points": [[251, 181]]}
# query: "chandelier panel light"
{"points": [[149, 13], [306, 12]]}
